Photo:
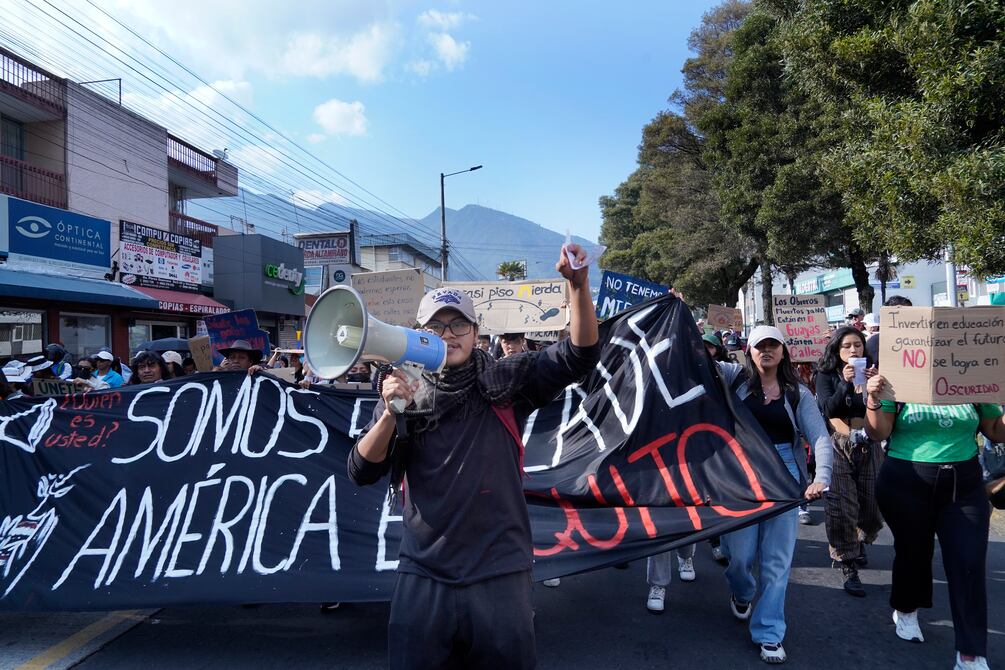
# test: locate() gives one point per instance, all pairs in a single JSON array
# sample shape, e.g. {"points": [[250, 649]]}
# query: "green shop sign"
{"points": [[292, 275]]}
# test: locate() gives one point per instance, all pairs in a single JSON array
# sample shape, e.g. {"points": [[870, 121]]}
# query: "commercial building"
{"points": [[400, 251], [95, 247], [923, 283]]}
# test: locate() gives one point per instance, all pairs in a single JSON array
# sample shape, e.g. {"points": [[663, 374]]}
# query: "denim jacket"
{"points": [[807, 423]]}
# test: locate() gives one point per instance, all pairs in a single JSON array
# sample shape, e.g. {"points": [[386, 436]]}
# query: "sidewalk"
{"points": [[58, 640]]}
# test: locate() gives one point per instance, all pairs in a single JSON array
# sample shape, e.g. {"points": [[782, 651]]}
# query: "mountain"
{"points": [[479, 238]]}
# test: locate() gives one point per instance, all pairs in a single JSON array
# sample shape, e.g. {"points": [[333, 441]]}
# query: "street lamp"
{"points": [[443, 221]]}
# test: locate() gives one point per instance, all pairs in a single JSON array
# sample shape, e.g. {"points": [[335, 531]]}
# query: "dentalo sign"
{"points": [[38, 237], [292, 275]]}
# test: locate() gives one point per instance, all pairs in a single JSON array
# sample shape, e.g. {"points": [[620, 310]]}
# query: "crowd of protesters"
{"points": [[924, 470]]}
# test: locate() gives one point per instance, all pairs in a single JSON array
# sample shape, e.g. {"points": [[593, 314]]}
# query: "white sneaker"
{"points": [[686, 570], [719, 556], [907, 626], [552, 582], [772, 653], [805, 518], [979, 663], [740, 610], [657, 594]]}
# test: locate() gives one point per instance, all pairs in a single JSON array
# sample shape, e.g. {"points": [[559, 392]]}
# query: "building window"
{"points": [[11, 146], [11, 138], [146, 331], [20, 333], [399, 255], [84, 334]]}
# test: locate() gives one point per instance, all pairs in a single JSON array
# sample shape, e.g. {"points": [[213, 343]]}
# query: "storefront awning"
{"points": [[20, 284], [186, 303]]}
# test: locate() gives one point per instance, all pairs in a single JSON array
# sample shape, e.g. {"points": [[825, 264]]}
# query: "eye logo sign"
{"points": [[34, 227]]}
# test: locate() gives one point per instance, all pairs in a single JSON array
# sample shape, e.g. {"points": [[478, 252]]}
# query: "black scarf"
{"points": [[469, 389]]}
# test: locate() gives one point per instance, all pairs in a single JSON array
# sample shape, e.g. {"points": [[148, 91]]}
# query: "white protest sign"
{"points": [[803, 321], [392, 296], [518, 307]]}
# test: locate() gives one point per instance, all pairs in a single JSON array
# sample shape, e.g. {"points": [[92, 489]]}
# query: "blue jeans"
{"points": [[770, 543]]}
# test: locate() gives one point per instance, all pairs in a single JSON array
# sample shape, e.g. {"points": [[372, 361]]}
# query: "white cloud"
{"points": [[341, 118], [421, 67], [363, 55], [450, 52], [316, 138], [357, 39], [433, 19], [213, 95], [314, 198]]}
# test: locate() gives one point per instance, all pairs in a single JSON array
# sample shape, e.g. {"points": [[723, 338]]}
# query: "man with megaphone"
{"points": [[463, 596]]}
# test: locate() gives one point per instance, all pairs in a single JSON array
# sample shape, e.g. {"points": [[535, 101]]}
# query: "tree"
{"points": [[922, 164], [663, 222], [512, 270], [766, 144]]}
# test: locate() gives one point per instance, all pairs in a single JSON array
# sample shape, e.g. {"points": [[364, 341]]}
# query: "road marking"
{"points": [[77, 640]]}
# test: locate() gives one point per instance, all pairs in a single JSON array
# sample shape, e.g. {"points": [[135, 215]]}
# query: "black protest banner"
{"points": [[647, 454], [224, 488]]}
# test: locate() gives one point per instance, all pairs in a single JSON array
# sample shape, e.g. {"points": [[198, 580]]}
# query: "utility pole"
{"points": [[443, 221]]}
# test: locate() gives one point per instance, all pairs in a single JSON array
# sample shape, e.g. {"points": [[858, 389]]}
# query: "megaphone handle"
{"points": [[398, 406]]}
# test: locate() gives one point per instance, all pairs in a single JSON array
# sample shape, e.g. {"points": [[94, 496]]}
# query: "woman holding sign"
{"points": [[786, 410], [931, 484], [853, 518]]}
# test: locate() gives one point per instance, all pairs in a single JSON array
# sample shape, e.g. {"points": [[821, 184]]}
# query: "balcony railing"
{"points": [[192, 227], [31, 83], [26, 181], [185, 156]]}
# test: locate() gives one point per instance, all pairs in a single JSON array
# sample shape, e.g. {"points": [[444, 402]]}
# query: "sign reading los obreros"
{"points": [[943, 355], [392, 296], [803, 321], [518, 307]]}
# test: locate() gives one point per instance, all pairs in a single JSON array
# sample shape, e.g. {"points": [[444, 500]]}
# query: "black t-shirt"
{"points": [[465, 517], [773, 418]]}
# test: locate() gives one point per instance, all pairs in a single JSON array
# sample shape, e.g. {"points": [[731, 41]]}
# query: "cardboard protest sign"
{"points": [[619, 292], [229, 326], [737, 357], [803, 321], [201, 351], [518, 307], [392, 296], [51, 387], [723, 318], [943, 355]]}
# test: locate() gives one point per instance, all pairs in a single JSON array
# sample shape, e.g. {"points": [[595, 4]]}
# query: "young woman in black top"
{"points": [[853, 519]]}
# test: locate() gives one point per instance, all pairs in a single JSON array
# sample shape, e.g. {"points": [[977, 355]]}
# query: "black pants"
{"points": [[440, 626], [920, 501]]}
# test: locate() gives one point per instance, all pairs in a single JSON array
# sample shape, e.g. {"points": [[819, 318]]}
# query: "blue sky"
{"points": [[550, 97]]}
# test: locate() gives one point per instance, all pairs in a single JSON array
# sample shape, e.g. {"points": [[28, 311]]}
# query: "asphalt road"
{"points": [[596, 620]]}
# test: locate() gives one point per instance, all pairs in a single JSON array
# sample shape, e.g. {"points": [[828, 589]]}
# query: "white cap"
{"points": [[446, 297], [105, 356], [871, 320], [171, 357], [16, 371], [761, 333]]}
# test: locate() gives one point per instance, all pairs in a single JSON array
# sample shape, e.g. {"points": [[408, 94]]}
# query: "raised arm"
{"points": [[583, 329]]}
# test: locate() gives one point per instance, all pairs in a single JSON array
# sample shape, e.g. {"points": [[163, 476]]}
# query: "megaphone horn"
{"points": [[339, 331]]}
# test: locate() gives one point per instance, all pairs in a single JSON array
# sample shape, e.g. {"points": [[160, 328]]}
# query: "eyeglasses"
{"points": [[458, 327]]}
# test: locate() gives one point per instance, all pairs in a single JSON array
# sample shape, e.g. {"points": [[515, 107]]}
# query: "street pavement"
{"points": [[595, 620]]}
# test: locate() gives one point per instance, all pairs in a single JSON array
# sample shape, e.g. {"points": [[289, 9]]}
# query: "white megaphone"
{"points": [[339, 331]]}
